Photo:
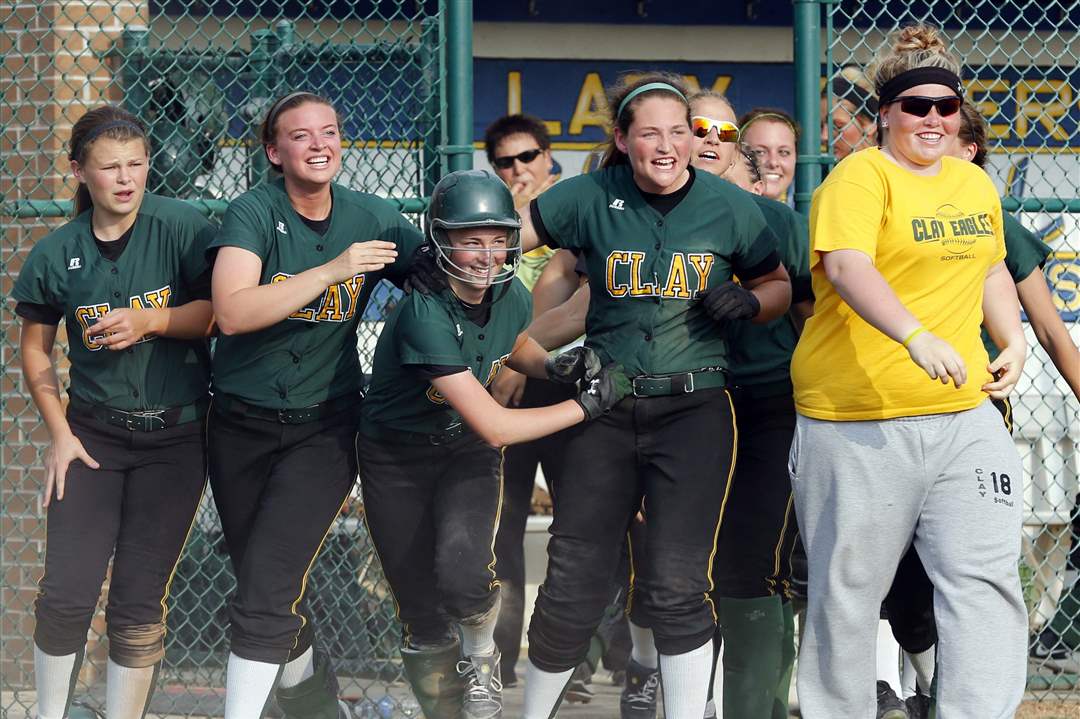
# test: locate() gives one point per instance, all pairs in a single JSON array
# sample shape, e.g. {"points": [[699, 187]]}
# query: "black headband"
{"points": [[276, 107], [103, 128], [865, 103], [889, 91]]}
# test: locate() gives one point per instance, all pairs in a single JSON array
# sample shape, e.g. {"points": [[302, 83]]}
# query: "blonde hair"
{"points": [[909, 48], [711, 95]]}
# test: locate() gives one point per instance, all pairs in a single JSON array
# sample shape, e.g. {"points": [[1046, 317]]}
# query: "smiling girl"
{"points": [[773, 137], [660, 243], [296, 260], [907, 255]]}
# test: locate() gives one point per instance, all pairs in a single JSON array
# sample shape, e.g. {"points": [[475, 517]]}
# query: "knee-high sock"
{"points": [[888, 656], [128, 690], [247, 686], [298, 669], [54, 678], [644, 647], [918, 670], [685, 678], [753, 632], [478, 636], [716, 686], [543, 691]]}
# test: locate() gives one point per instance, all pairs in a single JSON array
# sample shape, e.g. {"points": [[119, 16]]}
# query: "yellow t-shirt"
{"points": [[532, 264], [933, 239]]}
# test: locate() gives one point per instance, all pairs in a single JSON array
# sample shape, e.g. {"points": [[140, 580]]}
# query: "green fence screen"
{"points": [[202, 73]]}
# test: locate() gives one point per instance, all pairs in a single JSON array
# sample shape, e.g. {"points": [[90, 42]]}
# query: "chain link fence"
{"points": [[1020, 68], [201, 74]]}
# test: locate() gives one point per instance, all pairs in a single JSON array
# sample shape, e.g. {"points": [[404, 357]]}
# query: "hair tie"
{"points": [[890, 90], [645, 88], [769, 116], [271, 115], [104, 127]]}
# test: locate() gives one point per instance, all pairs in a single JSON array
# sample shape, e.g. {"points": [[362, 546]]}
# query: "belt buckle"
{"points": [[634, 386], [688, 386], [283, 416], [147, 417]]}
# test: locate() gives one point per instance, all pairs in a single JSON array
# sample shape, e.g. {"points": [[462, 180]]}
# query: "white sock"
{"points": [[247, 686], [923, 664], [52, 678], [542, 690], [298, 669], [908, 676], [685, 678], [478, 640], [644, 648], [888, 657], [127, 690]]}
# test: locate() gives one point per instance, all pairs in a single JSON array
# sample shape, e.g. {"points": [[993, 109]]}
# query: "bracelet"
{"points": [[914, 333]]}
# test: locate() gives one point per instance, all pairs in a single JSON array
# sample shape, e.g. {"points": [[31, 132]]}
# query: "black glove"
{"points": [[730, 301], [425, 276], [604, 391], [579, 363]]}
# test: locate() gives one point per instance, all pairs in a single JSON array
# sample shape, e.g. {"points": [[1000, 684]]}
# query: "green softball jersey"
{"points": [[761, 354], [1024, 253], [311, 356], [433, 331], [647, 268], [162, 265]]}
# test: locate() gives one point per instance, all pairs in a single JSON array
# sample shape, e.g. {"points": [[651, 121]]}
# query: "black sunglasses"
{"points": [[920, 106], [506, 162]]}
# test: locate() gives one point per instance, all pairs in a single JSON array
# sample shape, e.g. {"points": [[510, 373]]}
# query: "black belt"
{"points": [[679, 383], [148, 420], [302, 415], [389, 434]]}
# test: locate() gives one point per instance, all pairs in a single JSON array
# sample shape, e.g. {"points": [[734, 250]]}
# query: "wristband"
{"points": [[914, 333]]}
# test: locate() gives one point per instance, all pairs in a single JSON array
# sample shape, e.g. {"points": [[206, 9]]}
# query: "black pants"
{"points": [[677, 452], [433, 512], [278, 488], [753, 555], [140, 503], [909, 605], [519, 476]]}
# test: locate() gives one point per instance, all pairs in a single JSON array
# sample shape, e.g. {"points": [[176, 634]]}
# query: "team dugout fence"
{"points": [[201, 74], [1020, 69]]}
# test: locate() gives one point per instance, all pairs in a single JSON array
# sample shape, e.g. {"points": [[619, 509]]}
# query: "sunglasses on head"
{"points": [[920, 106], [507, 161], [726, 131]]}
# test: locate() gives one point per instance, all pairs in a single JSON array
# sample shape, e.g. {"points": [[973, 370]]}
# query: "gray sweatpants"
{"points": [[863, 492]]}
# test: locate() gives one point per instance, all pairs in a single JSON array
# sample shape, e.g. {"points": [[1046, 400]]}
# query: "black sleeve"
{"points": [[200, 288], [42, 314], [580, 267], [428, 372], [538, 225], [767, 265], [801, 289]]}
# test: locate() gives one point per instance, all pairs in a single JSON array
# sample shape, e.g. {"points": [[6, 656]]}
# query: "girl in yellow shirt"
{"points": [[895, 442]]}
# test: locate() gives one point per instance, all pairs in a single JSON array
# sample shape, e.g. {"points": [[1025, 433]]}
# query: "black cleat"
{"points": [[638, 700], [889, 705], [918, 706]]}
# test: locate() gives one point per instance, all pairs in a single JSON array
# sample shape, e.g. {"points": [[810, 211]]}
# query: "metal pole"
{"points": [[459, 79], [807, 100]]}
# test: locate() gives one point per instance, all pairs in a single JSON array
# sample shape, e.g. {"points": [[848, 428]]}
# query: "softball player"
{"points": [[773, 136], [661, 242], [751, 565], [296, 260], [909, 603], [907, 250], [126, 463], [431, 436]]}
